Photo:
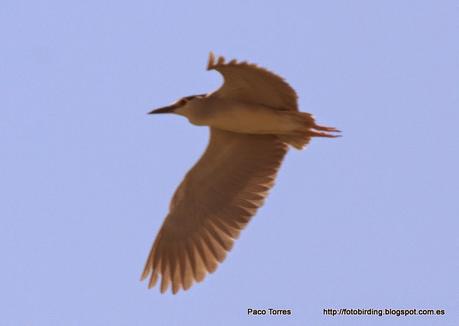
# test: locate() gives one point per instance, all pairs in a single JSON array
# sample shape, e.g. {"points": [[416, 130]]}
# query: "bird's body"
{"points": [[253, 118], [238, 116]]}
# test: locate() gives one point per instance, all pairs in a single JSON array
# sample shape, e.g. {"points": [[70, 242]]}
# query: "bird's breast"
{"points": [[243, 118]]}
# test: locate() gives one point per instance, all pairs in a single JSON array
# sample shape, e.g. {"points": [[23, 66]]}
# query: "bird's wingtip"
{"points": [[211, 61]]}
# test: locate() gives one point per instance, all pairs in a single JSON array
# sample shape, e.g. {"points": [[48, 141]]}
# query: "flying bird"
{"points": [[253, 119]]}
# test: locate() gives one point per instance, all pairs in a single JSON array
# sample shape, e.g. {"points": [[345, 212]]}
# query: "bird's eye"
{"points": [[183, 101]]}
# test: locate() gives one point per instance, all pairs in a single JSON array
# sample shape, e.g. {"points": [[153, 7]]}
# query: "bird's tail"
{"points": [[307, 128]]}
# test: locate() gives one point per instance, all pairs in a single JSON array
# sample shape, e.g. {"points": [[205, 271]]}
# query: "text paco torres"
{"points": [[270, 311]]}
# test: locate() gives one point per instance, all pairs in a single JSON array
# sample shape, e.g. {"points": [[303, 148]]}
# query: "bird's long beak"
{"points": [[166, 109]]}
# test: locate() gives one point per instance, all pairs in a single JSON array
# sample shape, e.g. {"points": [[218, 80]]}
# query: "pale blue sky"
{"points": [[369, 220]]}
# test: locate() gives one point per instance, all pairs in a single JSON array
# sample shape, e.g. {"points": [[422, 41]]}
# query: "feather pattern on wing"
{"points": [[250, 83], [214, 202]]}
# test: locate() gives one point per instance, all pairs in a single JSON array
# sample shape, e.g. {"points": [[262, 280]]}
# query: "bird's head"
{"points": [[181, 106]]}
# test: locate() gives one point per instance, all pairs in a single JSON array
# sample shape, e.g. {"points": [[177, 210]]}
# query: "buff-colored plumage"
{"points": [[221, 193], [249, 83]]}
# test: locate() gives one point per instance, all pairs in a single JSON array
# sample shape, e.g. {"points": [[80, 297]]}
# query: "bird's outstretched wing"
{"points": [[249, 83], [214, 202]]}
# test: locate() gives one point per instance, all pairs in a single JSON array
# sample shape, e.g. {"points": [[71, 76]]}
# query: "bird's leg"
{"points": [[323, 128], [314, 133]]}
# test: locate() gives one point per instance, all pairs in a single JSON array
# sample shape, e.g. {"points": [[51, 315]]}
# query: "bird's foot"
{"points": [[323, 131]]}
